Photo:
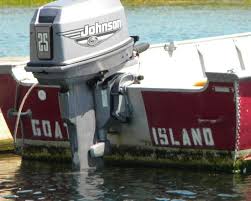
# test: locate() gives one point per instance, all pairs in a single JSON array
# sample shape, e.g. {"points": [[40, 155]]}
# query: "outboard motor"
{"points": [[81, 45]]}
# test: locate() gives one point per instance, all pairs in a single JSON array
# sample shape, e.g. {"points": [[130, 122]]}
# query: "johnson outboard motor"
{"points": [[81, 45]]}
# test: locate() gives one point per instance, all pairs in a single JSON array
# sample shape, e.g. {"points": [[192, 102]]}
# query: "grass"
{"points": [[24, 3], [6, 146], [27, 3], [185, 2]]}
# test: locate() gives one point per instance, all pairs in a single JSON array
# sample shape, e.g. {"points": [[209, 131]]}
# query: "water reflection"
{"points": [[29, 180], [9, 165]]}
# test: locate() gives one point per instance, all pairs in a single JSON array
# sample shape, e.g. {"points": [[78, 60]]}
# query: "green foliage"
{"points": [[24, 3], [162, 2], [34, 3]]}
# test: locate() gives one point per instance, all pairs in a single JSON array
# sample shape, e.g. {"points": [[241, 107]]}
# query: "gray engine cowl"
{"points": [[71, 31]]}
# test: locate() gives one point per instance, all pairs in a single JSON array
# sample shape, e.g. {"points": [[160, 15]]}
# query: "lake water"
{"points": [[24, 180], [154, 25]]}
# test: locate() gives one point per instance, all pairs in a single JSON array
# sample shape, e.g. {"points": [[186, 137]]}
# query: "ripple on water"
{"points": [[37, 193], [181, 192], [52, 189], [178, 200], [10, 196], [24, 191], [162, 199], [224, 195]]}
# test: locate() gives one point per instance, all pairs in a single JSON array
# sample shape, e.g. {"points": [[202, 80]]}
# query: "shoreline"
{"points": [[34, 3]]}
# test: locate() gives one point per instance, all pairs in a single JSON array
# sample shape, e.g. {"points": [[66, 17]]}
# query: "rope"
{"points": [[20, 110]]}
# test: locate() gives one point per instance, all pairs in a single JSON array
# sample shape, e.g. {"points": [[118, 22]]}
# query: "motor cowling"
{"points": [[88, 35]]}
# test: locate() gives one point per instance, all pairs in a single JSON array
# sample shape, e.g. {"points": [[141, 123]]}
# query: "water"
{"points": [[154, 25], [24, 180]]}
